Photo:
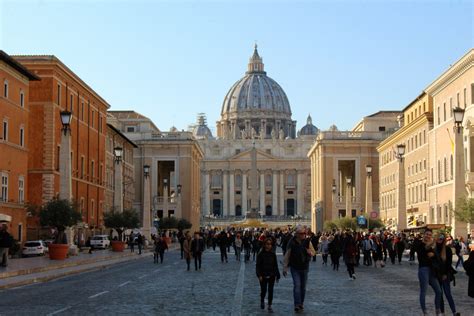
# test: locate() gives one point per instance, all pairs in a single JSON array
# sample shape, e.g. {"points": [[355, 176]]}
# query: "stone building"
{"points": [[255, 113], [403, 195], [61, 89], [123, 189], [340, 183], [14, 144], [172, 187]]}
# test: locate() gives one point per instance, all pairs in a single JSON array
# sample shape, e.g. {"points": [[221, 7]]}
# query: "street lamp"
{"points": [[368, 169], [66, 120], [179, 186], [118, 151], [458, 118], [146, 170], [400, 151]]}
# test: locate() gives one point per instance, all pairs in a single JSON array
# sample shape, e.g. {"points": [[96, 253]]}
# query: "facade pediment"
{"points": [[245, 156]]}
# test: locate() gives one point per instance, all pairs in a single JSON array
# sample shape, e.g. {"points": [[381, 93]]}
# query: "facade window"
{"points": [[465, 97], [5, 130], [432, 176], [100, 173], [290, 180], [450, 107], [216, 180], [5, 89], [451, 166], [130, 129], [92, 208], [100, 124], [472, 93], [444, 110], [22, 98], [21, 189], [439, 171], [22, 136], [58, 101], [92, 170], [4, 196], [82, 111], [72, 103], [439, 115], [238, 180], [57, 157], [82, 167], [445, 170], [82, 206], [92, 119], [457, 100]]}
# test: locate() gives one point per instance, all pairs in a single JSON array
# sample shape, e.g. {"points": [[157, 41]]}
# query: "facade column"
{"points": [[275, 193], [225, 196], [281, 210], [244, 193], [146, 207], [206, 202], [299, 193], [262, 193], [231, 194]]}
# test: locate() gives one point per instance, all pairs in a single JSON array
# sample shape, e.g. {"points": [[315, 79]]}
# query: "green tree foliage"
{"points": [[120, 221], [464, 211], [168, 223], [59, 214], [183, 224]]}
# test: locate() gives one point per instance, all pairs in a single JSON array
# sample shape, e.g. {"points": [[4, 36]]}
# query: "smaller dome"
{"points": [[333, 128], [309, 128], [200, 130]]}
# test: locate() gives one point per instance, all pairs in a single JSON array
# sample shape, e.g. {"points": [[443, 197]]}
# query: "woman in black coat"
{"points": [[469, 267], [267, 272]]}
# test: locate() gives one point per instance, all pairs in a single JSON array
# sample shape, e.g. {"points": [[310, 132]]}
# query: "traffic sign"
{"points": [[373, 215]]}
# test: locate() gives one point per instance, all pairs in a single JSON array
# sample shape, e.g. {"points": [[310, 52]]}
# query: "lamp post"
{"points": [[178, 206], [65, 170], [146, 229], [118, 179], [368, 193], [401, 207], [165, 197], [333, 191], [348, 196], [459, 191]]}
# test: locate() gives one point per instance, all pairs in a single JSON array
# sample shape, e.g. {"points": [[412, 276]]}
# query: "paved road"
{"points": [[143, 288]]}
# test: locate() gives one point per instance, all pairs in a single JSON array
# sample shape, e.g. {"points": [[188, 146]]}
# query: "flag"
{"points": [[451, 140]]}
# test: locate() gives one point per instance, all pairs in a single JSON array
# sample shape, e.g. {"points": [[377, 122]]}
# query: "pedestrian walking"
{"points": [[400, 247], [159, 251], [469, 267], [314, 241], [187, 249], [6, 241], [238, 247], [444, 271], [197, 247], [139, 243], [426, 254], [323, 249], [460, 248], [335, 251], [256, 245], [350, 255], [88, 244], [181, 239], [367, 245], [297, 258], [267, 273], [131, 242], [223, 242], [377, 252]]}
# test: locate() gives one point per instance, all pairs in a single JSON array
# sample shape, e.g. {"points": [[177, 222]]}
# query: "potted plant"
{"points": [[59, 214], [120, 221]]}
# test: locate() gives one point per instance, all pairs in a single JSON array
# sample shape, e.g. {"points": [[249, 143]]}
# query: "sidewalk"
{"points": [[26, 271]]}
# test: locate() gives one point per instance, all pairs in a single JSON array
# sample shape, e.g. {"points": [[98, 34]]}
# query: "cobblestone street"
{"points": [[143, 288]]}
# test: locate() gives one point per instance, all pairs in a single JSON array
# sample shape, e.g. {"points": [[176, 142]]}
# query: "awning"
{"points": [[5, 218]]}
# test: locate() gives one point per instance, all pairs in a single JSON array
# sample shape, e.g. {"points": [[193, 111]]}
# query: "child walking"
{"points": [[267, 273]]}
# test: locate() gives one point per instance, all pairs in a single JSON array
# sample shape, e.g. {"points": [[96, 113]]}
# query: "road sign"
{"points": [[373, 215], [361, 221]]}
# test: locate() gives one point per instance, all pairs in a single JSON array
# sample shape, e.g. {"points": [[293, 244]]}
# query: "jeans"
{"points": [[300, 277], [238, 251], [426, 276], [197, 259], [223, 254], [460, 261], [445, 285], [270, 283]]}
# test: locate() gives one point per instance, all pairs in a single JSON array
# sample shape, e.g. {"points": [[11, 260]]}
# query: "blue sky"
{"points": [[169, 60]]}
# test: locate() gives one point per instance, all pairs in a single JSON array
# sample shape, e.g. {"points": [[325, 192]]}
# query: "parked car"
{"points": [[34, 248], [100, 241]]}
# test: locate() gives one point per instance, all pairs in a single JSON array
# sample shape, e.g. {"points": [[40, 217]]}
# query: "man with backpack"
{"points": [[297, 257]]}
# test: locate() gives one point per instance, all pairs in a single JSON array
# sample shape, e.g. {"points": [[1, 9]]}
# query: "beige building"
{"points": [[115, 138], [172, 187], [451, 153], [405, 203], [340, 185]]}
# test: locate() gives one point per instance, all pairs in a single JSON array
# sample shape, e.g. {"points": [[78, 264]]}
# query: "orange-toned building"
{"points": [[14, 145], [61, 89]]}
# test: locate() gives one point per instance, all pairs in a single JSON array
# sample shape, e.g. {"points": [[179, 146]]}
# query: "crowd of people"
{"points": [[299, 247]]}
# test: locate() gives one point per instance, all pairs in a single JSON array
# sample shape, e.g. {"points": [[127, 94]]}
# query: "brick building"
{"points": [[61, 89], [14, 144]]}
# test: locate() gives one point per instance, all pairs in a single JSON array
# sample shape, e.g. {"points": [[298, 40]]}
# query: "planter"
{"points": [[58, 251], [117, 246]]}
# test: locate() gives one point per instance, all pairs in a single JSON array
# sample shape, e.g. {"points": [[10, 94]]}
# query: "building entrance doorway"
{"points": [[216, 207], [290, 207]]}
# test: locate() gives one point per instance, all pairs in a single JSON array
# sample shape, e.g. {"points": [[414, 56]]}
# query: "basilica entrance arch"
{"points": [[268, 210], [290, 207], [238, 210]]}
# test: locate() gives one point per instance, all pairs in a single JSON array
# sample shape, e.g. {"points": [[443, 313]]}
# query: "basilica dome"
{"points": [[256, 106]]}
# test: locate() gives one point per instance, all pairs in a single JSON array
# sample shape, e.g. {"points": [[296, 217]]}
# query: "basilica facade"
{"points": [[255, 113]]}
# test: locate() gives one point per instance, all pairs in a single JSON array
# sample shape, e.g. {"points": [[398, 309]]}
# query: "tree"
{"points": [[168, 223], [330, 225], [183, 224], [120, 221], [464, 211], [59, 213]]}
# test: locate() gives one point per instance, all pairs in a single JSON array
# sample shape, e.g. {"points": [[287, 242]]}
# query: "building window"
{"points": [[100, 124], [22, 98], [381, 128], [439, 171], [5, 130], [92, 170], [216, 181], [92, 119], [450, 107], [439, 115], [82, 206], [444, 110], [92, 208], [57, 157], [5, 89], [445, 170], [82, 111], [130, 129], [4, 196], [21, 189], [22, 136], [82, 167], [72, 103], [290, 180], [100, 174], [58, 101]]}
